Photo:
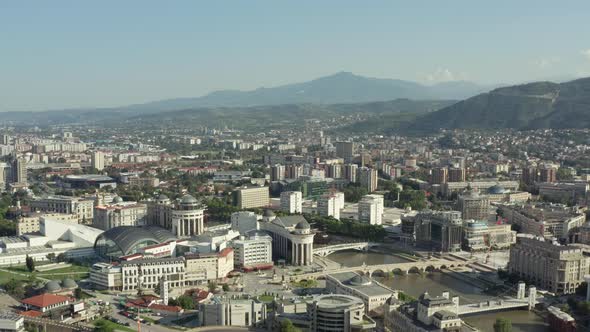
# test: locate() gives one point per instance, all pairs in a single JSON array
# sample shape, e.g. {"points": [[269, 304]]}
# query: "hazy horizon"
{"points": [[64, 54]]}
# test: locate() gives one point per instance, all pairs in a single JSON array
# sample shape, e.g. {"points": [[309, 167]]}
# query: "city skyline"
{"points": [[71, 55]]}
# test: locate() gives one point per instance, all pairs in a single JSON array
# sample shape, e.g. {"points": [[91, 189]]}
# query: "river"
{"points": [[436, 283]]}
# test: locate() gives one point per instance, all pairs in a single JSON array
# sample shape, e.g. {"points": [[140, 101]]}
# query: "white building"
{"points": [[10, 322], [251, 197], [253, 252], [244, 221], [183, 218], [372, 293], [83, 208], [97, 160], [341, 313], [291, 201], [367, 177], [370, 209], [330, 205], [232, 312], [292, 238], [146, 273]]}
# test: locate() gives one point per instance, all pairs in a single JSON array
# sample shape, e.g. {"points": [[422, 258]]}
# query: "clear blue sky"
{"points": [[61, 54]]}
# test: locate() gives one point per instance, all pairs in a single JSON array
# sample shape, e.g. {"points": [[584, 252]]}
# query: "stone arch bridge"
{"points": [[325, 251]]}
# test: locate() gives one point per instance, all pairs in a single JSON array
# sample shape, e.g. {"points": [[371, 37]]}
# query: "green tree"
{"points": [[103, 326], [186, 302], [78, 293], [502, 325], [287, 326], [30, 262], [15, 288], [51, 256], [225, 287], [212, 286]]}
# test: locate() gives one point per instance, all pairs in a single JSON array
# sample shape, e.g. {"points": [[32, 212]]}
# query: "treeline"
{"points": [[348, 227]]}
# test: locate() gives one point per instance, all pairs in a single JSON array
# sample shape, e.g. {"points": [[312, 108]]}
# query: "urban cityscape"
{"points": [[342, 203]]}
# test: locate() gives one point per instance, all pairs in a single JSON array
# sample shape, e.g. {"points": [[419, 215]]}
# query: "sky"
{"points": [[79, 54]]}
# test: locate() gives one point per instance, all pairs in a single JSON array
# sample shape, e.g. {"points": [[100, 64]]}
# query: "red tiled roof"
{"points": [[162, 307], [225, 252], [31, 313], [45, 300]]}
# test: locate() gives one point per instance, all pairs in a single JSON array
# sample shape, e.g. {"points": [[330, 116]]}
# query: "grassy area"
{"points": [[148, 319], [75, 272], [7, 276], [115, 326], [266, 298]]}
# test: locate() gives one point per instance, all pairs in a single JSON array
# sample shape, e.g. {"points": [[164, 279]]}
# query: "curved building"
{"points": [[338, 313], [126, 240], [184, 217], [292, 238]]}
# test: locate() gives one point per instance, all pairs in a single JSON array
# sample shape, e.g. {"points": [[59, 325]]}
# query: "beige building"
{"points": [[146, 273], [480, 235], [473, 205], [543, 219], [553, 267], [371, 292], [183, 218], [81, 207], [201, 268], [30, 224], [251, 197], [119, 213]]}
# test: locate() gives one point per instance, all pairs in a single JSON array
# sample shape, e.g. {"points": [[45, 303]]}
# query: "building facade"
{"points": [[370, 209], [291, 201]]}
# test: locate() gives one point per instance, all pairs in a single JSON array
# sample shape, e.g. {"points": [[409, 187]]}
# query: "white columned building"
{"points": [[292, 238]]}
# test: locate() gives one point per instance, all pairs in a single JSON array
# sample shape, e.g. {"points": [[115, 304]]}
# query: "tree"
{"points": [[30, 263], [502, 325], [103, 326], [186, 302], [78, 293], [61, 257], [51, 256], [287, 326], [225, 287], [212, 286], [15, 288]]}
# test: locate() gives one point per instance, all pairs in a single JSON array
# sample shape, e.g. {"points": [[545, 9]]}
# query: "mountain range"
{"points": [[527, 106]]}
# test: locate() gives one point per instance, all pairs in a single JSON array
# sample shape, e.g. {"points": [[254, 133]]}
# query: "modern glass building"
{"points": [[127, 240]]}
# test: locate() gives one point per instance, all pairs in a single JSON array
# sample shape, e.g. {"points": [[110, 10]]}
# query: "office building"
{"points": [[4, 139], [342, 313], [345, 150], [291, 201], [473, 205], [543, 219], [456, 174], [293, 171], [368, 177], [372, 293], [335, 171], [556, 268], [438, 230], [370, 209], [31, 223], [232, 312], [277, 172], [119, 213], [251, 197], [81, 207], [19, 171], [253, 252], [565, 192], [481, 235], [439, 175], [97, 160], [146, 274], [350, 172]]}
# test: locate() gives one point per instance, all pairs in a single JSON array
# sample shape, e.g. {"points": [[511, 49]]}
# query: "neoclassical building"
{"points": [[292, 238], [184, 217]]}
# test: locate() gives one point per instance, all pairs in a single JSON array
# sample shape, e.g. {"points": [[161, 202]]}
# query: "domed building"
{"points": [[69, 284], [127, 240], [292, 237], [184, 217], [53, 286]]}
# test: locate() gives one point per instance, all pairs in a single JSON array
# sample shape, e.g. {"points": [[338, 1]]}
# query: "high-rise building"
{"points": [[530, 175], [4, 139], [97, 160], [368, 177], [253, 251], [335, 171], [473, 205], [439, 230], [251, 197], [330, 205], [277, 172], [439, 175], [456, 174], [350, 171], [4, 172], [291, 201], [548, 174], [556, 268], [293, 171], [370, 209], [82, 208], [345, 150], [19, 171]]}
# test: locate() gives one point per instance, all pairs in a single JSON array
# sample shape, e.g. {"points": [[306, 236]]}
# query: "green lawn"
{"points": [[7, 276], [75, 272], [266, 298], [115, 326]]}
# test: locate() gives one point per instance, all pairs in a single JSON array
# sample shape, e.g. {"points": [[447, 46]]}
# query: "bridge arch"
{"points": [[430, 268], [399, 271], [442, 267], [415, 269], [379, 273]]}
